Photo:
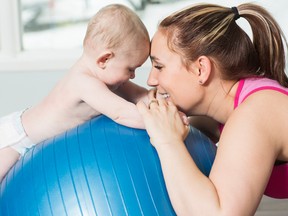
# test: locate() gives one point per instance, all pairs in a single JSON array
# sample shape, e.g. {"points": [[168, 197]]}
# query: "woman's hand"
{"points": [[164, 123]]}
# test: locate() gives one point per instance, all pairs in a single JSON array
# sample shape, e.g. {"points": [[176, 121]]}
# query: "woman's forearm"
{"points": [[191, 192]]}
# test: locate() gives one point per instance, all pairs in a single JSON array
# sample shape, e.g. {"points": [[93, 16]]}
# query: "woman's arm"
{"points": [[239, 175]]}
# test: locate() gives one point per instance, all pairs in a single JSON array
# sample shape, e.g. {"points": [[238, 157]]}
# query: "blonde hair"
{"points": [[211, 30], [112, 25]]}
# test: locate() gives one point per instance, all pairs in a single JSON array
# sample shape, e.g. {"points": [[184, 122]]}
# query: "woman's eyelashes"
{"points": [[158, 67]]}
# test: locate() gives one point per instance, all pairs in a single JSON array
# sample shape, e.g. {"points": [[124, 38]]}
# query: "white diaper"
{"points": [[12, 133]]}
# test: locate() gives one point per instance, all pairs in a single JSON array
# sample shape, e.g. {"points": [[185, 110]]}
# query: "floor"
{"points": [[272, 207]]}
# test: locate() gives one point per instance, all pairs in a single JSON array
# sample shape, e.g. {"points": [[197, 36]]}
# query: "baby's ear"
{"points": [[103, 58]]}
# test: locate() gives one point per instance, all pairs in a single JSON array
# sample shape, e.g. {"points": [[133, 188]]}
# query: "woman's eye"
{"points": [[158, 67]]}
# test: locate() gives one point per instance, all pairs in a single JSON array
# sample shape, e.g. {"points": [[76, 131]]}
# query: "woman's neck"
{"points": [[221, 104]]}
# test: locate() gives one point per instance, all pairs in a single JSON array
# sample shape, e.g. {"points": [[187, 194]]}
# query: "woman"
{"points": [[204, 64]]}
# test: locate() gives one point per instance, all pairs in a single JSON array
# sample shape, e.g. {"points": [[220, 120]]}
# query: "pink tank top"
{"points": [[278, 183]]}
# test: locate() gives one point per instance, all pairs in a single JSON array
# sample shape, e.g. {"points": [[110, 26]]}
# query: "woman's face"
{"points": [[170, 76]]}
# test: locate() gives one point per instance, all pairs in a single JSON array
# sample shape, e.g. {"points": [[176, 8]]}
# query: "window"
{"points": [[46, 34], [59, 24]]}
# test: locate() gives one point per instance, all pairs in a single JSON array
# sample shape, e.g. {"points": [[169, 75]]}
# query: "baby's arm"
{"points": [[132, 92], [97, 95]]}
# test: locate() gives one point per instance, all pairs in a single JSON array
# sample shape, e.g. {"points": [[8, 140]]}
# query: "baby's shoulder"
{"points": [[76, 81]]}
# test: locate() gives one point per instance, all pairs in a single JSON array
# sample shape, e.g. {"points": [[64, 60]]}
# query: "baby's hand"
{"points": [[164, 123]]}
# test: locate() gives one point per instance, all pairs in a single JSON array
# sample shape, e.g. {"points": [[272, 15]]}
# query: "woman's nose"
{"points": [[152, 79]]}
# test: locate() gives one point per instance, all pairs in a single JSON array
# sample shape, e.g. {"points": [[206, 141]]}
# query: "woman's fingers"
{"points": [[162, 102], [184, 118], [163, 122], [152, 94], [142, 107], [153, 101]]}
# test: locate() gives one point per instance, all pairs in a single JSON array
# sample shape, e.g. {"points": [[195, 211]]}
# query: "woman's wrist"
{"points": [[168, 145]]}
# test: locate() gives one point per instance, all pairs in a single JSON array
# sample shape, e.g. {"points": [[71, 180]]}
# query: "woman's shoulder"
{"points": [[264, 112], [252, 85]]}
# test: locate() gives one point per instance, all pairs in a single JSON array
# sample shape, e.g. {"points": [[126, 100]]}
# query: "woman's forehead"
{"points": [[158, 37], [158, 43], [160, 52]]}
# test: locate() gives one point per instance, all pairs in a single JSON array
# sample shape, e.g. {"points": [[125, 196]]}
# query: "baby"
{"points": [[115, 44]]}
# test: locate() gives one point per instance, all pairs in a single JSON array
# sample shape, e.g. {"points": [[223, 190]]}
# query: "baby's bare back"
{"points": [[61, 110]]}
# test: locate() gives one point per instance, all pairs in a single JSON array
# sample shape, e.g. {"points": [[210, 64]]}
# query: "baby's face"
{"points": [[122, 66]]}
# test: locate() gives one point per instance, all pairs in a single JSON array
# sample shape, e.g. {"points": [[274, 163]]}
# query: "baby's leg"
{"points": [[8, 157]]}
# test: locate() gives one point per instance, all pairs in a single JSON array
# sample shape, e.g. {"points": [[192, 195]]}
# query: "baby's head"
{"points": [[118, 33], [113, 26]]}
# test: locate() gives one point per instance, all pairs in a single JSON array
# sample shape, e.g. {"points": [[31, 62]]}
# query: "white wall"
{"points": [[19, 90]]}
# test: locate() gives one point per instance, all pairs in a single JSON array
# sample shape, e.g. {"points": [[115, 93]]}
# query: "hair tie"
{"points": [[236, 13]]}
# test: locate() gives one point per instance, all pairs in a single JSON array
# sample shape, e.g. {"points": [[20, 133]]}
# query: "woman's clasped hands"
{"points": [[164, 123]]}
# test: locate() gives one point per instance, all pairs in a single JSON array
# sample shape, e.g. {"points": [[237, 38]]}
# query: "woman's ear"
{"points": [[204, 66], [103, 59]]}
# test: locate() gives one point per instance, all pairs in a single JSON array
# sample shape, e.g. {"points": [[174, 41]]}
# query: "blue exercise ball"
{"points": [[98, 168]]}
